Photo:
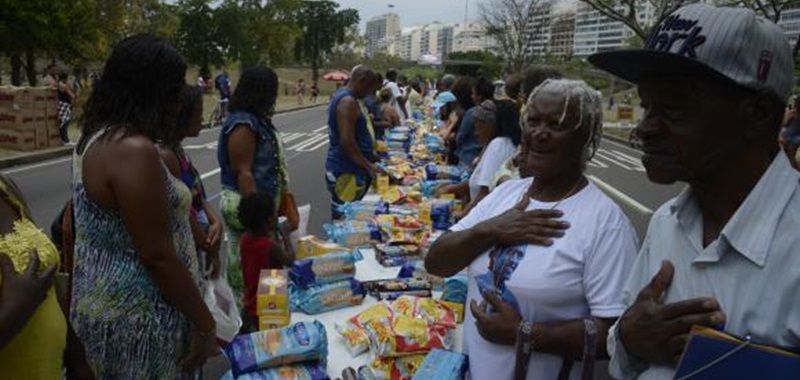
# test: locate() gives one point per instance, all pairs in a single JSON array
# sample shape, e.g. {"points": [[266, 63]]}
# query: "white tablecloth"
{"points": [[338, 357]]}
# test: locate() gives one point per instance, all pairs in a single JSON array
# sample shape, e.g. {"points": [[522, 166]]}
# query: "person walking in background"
{"points": [[314, 92], [351, 161], [723, 253], [301, 91], [206, 226], [136, 304], [251, 157], [390, 116], [201, 83], [65, 98], [51, 76]]}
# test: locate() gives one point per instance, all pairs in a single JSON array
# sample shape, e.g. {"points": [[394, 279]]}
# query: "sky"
{"points": [[414, 11]]}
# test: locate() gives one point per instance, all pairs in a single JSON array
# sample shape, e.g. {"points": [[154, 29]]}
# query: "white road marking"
{"points": [[37, 166], [620, 195], [603, 154], [308, 142], [594, 162], [291, 136], [313, 148], [622, 146], [211, 173], [636, 162], [320, 129]]}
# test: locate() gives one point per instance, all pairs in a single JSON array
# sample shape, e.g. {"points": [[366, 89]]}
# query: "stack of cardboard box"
{"points": [[28, 118]]}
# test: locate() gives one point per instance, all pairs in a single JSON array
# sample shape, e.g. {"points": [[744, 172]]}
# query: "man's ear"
{"points": [[760, 112]]}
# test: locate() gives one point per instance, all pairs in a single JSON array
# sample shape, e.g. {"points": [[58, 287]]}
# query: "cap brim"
{"points": [[633, 65]]}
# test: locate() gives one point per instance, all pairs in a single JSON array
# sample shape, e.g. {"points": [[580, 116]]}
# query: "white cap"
{"points": [[730, 43]]}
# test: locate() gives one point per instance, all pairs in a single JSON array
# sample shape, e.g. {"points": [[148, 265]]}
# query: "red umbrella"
{"points": [[336, 76]]}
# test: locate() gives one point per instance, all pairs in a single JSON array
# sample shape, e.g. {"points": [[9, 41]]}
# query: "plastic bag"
{"points": [[325, 269], [324, 298], [363, 210], [354, 233], [304, 211], [400, 335], [302, 371], [402, 368], [220, 301], [427, 309], [352, 330], [301, 342]]}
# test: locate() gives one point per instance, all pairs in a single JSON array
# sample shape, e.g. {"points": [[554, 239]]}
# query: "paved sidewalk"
{"points": [[10, 158]]}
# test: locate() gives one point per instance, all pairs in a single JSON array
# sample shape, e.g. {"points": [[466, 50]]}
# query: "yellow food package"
{"points": [[272, 298], [382, 183], [402, 368], [425, 213], [311, 246], [381, 146], [458, 309], [401, 335], [392, 194], [271, 322], [352, 330]]}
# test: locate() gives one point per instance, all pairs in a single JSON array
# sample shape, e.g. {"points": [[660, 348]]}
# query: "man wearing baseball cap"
{"points": [[714, 83]]}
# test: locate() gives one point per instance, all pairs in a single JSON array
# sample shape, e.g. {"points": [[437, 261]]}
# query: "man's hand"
{"points": [[499, 327], [657, 333], [517, 226]]}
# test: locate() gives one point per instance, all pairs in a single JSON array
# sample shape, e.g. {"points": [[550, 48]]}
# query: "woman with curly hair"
{"points": [[250, 155]]}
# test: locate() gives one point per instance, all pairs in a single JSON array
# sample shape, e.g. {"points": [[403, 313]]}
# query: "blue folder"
{"points": [[712, 355]]}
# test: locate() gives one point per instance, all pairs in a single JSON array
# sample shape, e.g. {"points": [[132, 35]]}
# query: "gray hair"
{"points": [[448, 80], [590, 108], [486, 112]]}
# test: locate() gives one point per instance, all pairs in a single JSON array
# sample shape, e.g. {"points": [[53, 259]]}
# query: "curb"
{"points": [[32, 158]]}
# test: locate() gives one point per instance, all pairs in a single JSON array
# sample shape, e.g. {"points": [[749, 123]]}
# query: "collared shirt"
{"points": [[751, 269]]}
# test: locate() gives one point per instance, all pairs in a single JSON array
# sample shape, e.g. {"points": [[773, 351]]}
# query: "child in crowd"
{"points": [[262, 246]]}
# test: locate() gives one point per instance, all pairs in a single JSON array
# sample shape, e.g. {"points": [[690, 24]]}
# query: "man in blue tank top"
{"points": [[350, 165]]}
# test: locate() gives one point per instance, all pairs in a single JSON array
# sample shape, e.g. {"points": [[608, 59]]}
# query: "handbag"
{"points": [[289, 210]]}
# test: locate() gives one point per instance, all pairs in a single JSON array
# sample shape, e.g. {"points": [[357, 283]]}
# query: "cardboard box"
{"points": [[53, 137], [27, 99], [42, 136], [273, 294], [270, 322], [18, 139], [20, 120]]}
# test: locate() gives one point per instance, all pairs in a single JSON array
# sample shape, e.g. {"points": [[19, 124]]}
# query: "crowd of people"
{"points": [[557, 276]]}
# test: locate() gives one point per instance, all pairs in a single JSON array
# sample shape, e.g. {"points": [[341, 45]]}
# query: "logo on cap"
{"points": [[674, 29], [764, 65]]}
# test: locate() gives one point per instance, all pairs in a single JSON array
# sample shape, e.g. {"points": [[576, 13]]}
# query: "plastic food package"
{"points": [[352, 330], [303, 371], [416, 269], [325, 269], [363, 210], [401, 336], [353, 233], [323, 298], [301, 342], [442, 213], [447, 172], [455, 295], [311, 246], [402, 368], [396, 254], [365, 373], [428, 309], [393, 195], [428, 187], [442, 365], [397, 285]]}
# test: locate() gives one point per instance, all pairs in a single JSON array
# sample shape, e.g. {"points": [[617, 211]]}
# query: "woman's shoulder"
{"points": [[607, 213]]}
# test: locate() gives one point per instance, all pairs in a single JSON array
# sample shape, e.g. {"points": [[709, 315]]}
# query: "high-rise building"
{"points": [[434, 38], [382, 31], [445, 41], [472, 37], [562, 35], [539, 27], [595, 32]]}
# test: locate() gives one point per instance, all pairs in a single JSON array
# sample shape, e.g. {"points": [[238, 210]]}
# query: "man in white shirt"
{"points": [[714, 83], [398, 99]]}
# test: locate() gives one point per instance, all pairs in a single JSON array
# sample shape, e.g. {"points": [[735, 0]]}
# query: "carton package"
{"points": [[53, 136], [272, 299], [271, 322], [18, 138], [25, 99]]}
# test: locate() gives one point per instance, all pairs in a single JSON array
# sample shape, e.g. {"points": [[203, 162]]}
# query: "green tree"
{"points": [[323, 27], [490, 67], [255, 32], [198, 37]]}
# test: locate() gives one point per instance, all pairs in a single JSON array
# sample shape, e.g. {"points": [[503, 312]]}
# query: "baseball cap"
{"points": [[732, 44]]}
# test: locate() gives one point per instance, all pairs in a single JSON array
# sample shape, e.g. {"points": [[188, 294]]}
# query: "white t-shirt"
{"points": [[396, 93], [492, 158], [581, 274]]}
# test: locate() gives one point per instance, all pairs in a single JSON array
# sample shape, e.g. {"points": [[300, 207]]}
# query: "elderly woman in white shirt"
{"points": [[547, 256]]}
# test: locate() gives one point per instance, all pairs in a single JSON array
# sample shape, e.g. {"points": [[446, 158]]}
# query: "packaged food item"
{"points": [[325, 269], [391, 296], [352, 330], [270, 322], [353, 233], [428, 187], [393, 194], [442, 213], [446, 172], [455, 295], [323, 298], [311, 246], [349, 374], [397, 285], [401, 335], [363, 210], [428, 309], [396, 254], [364, 373], [416, 269], [301, 371], [442, 365], [272, 297], [402, 368], [301, 342]]}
